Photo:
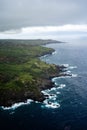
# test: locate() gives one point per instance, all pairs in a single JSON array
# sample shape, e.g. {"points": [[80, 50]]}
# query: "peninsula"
{"points": [[22, 74]]}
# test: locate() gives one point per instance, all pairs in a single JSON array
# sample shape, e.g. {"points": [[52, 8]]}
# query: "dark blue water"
{"points": [[72, 98]]}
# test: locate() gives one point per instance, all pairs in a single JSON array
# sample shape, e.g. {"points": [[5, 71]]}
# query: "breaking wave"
{"points": [[55, 52], [72, 67], [16, 105], [53, 93], [52, 96]]}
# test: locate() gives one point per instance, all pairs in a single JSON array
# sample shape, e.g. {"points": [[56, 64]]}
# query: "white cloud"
{"points": [[44, 32], [69, 27]]}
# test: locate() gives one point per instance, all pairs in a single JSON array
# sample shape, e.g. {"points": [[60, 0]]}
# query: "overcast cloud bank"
{"points": [[16, 14]]}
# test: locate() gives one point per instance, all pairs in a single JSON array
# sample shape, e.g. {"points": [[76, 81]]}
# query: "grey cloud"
{"points": [[15, 14]]}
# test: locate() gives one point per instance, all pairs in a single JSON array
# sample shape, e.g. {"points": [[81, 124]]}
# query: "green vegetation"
{"points": [[22, 74]]}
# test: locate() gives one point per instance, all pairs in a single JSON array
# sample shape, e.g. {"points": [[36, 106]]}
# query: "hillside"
{"points": [[22, 74]]}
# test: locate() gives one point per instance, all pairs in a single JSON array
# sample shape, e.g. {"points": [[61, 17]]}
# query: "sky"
{"points": [[26, 17]]}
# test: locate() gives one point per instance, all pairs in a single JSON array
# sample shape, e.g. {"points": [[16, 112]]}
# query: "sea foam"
{"points": [[53, 105], [61, 86], [74, 75], [50, 104], [16, 105], [55, 52], [66, 65], [72, 67]]}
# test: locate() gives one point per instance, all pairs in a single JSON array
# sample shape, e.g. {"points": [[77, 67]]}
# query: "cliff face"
{"points": [[22, 74]]}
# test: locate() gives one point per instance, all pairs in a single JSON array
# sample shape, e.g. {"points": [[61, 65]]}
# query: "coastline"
{"points": [[42, 83], [46, 84]]}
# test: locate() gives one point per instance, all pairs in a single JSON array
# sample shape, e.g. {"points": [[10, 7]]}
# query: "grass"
{"points": [[21, 70]]}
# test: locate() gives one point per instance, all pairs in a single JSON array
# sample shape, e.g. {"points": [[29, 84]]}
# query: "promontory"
{"points": [[22, 74]]}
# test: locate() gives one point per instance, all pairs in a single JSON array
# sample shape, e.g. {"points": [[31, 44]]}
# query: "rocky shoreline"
{"points": [[45, 83], [37, 76]]}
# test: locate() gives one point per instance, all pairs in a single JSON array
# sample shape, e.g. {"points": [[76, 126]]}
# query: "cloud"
{"points": [[68, 27], [15, 14], [52, 32]]}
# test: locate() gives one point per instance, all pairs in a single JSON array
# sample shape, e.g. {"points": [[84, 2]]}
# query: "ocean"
{"points": [[66, 108]]}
